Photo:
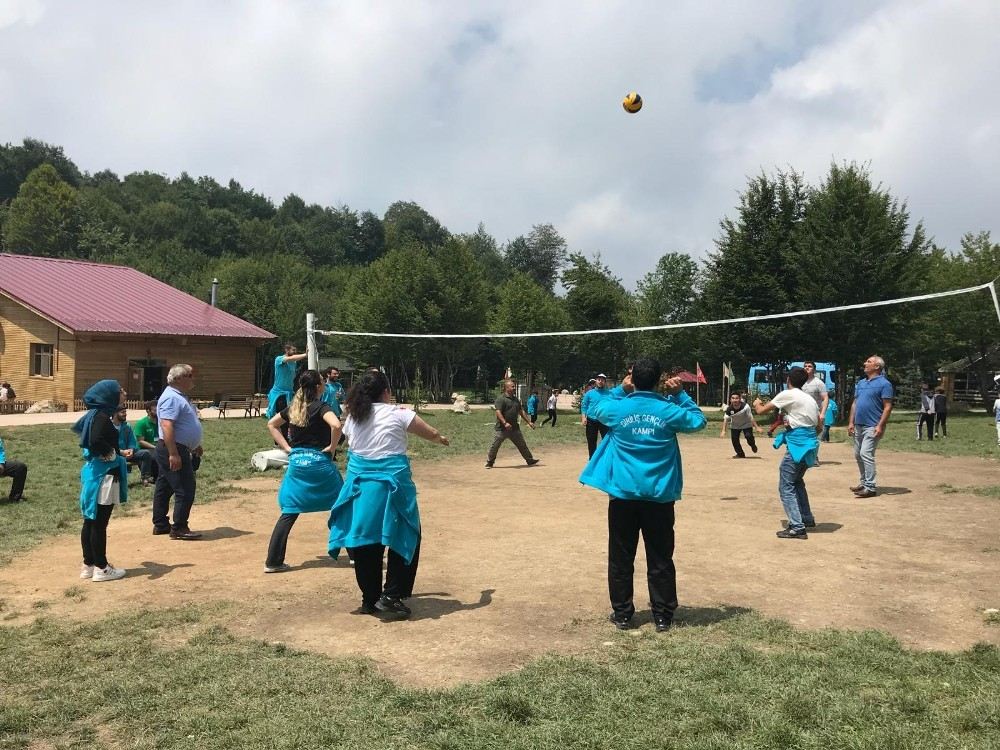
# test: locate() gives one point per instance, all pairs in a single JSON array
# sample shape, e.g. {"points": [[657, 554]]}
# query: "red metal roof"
{"points": [[64, 291]]}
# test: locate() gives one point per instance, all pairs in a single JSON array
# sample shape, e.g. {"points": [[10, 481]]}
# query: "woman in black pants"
{"points": [[103, 478], [312, 481]]}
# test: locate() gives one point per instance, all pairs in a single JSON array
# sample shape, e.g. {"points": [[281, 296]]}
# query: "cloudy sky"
{"points": [[508, 113]]}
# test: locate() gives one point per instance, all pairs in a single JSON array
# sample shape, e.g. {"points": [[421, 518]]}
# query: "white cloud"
{"points": [[509, 113]]}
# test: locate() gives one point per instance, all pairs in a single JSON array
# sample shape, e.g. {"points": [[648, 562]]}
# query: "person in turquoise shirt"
{"points": [[532, 407], [588, 405], [333, 392], [280, 395], [830, 419], [639, 465]]}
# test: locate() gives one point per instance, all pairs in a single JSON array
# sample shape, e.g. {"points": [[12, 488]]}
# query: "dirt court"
{"points": [[514, 561]]}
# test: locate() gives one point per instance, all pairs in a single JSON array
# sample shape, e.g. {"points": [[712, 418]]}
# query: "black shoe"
{"points": [[753, 448], [863, 493], [185, 535], [489, 465], [792, 534], [739, 455], [366, 609], [532, 461], [157, 531], [811, 525], [857, 488], [621, 623], [392, 609], [662, 624]]}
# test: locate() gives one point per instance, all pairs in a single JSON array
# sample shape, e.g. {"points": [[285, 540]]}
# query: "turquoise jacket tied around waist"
{"points": [[376, 505], [311, 483], [802, 444], [92, 474]]}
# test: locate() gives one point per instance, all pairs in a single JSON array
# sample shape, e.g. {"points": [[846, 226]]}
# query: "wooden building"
{"points": [[65, 324]]}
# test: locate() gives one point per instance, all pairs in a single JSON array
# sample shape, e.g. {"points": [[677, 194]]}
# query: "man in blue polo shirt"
{"points": [[638, 464], [869, 416], [177, 450], [588, 405]]}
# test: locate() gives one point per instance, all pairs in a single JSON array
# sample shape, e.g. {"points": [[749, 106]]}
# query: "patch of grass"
{"points": [[992, 616], [969, 434], [986, 490], [76, 593], [744, 682]]}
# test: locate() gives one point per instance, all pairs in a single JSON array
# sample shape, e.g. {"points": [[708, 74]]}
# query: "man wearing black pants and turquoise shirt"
{"points": [[638, 464]]}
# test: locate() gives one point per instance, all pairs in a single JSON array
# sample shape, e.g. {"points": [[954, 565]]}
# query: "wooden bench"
{"points": [[236, 403]]}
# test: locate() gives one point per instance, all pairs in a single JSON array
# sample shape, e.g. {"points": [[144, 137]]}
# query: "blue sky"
{"points": [[508, 113]]}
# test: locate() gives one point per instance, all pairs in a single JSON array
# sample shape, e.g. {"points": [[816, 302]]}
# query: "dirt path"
{"points": [[514, 560]]}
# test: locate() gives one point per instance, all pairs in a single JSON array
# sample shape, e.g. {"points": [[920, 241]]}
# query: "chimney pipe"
{"points": [[215, 291]]}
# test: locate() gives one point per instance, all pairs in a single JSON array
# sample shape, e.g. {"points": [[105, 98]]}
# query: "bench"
{"points": [[235, 403], [250, 405]]}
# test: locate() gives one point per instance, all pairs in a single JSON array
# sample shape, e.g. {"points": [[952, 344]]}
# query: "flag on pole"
{"points": [[728, 371], [699, 374]]}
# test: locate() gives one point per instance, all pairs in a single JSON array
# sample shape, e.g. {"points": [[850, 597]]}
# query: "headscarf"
{"points": [[102, 396]]}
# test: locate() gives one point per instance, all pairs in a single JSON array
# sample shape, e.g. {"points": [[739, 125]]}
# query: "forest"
{"points": [[785, 246]]}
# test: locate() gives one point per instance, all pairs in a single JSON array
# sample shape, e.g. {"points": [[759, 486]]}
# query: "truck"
{"points": [[762, 377]]}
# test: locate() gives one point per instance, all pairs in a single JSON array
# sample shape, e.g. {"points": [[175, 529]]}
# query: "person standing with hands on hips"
{"points": [[508, 408]]}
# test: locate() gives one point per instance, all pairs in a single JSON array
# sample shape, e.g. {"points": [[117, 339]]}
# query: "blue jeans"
{"points": [[865, 444], [792, 491]]}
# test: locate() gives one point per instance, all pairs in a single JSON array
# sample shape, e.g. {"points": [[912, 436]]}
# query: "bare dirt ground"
{"points": [[513, 561]]}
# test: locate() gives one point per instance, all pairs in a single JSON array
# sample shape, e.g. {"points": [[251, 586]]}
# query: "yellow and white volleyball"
{"points": [[632, 102]]}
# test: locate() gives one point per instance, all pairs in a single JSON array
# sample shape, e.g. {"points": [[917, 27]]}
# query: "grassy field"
{"points": [[726, 679], [164, 680]]}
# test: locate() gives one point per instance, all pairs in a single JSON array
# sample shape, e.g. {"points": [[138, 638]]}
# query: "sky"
{"points": [[509, 113]]}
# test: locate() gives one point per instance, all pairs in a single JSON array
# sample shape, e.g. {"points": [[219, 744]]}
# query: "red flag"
{"points": [[700, 375]]}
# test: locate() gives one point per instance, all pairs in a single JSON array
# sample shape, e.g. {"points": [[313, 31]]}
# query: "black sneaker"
{"points": [[792, 534], [532, 461], [662, 624], [366, 609], [489, 465], [622, 623], [392, 609], [157, 531]]}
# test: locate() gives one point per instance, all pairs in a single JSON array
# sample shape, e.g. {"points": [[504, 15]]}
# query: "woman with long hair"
{"points": [[377, 506], [312, 481], [103, 478]]}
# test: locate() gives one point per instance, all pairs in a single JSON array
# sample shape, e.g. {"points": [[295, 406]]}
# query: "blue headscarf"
{"points": [[104, 395]]}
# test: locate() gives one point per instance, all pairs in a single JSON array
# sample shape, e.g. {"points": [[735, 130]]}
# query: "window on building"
{"points": [[41, 360]]}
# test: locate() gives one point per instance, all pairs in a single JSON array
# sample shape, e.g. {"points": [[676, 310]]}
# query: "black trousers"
{"points": [[399, 577], [626, 519], [550, 418], [181, 485], [18, 473], [593, 429], [146, 461], [94, 538], [925, 419], [279, 539], [941, 423], [734, 435]]}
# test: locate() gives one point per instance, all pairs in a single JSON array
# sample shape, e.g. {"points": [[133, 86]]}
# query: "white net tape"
{"points": [[748, 319]]}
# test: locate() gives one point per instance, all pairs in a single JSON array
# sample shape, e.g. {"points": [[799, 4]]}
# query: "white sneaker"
{"points": [[86, 571], [110, 573]]}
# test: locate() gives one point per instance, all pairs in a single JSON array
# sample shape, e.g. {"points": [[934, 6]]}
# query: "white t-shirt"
{"points": [[382, 434], [815, 388], [799, 407], [551, 403]]}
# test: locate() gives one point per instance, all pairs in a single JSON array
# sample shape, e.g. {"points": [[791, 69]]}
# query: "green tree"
{"points": [[854, 245], [44, 218], [17, 162], [596, 299], [405, 222], [524, 306], [541, 255], [668, 294]]}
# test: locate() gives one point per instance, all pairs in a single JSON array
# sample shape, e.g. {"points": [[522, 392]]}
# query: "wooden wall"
{"points": [[19, 328], [223, 366]]}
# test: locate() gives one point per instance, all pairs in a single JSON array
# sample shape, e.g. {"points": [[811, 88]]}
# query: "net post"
{"points": [[311, 341]]}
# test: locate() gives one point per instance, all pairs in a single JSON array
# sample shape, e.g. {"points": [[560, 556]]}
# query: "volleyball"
{"points": [[632, 102]]}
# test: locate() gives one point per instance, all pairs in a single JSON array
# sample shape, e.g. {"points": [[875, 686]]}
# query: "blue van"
{"points": [[761, 378]]}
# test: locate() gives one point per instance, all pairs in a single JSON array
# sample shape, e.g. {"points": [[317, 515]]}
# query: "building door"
{"points": [[154, 379]]}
